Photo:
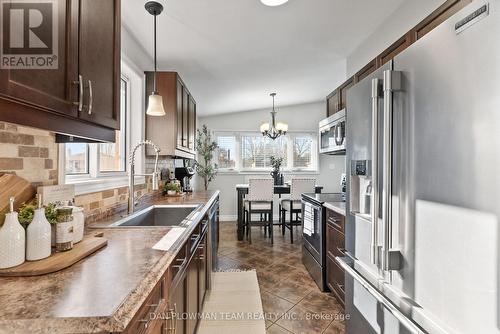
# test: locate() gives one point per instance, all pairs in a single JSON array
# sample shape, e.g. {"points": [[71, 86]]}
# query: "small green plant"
{"points": [[171, 187], [205, 147], [276, 163], [27, 211]]}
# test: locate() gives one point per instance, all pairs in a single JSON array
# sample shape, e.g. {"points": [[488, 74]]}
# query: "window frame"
{"points": [[239, 169]]}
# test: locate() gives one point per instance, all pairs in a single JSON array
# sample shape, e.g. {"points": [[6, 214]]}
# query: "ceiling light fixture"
{"points": [[273, 3], [273, 130], [155, 100]]}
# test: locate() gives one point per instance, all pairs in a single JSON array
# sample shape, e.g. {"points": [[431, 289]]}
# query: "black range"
{"points": [[314, 227]]}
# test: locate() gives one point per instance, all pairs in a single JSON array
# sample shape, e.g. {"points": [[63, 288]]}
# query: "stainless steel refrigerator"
{"points": [[423, 163]]}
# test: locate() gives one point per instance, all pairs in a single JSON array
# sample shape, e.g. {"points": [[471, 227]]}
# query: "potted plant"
{"points": [[171, 189], [205, 147], [276, 163]]}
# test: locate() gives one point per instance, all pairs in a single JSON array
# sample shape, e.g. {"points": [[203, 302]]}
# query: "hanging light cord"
{"points": [[154, 77]]}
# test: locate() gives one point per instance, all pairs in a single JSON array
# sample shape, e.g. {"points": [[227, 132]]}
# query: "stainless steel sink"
{"points": [[161, 215]]}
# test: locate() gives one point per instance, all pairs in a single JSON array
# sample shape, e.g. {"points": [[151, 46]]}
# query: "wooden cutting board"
{"points": [[57, 261], [13, 185]]}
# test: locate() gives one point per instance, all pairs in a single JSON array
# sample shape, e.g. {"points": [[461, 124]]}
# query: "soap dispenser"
{"points": [[39, 235], [12, 240]]}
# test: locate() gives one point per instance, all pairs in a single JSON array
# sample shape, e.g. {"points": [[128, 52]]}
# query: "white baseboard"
{"points": [[228, 218]]}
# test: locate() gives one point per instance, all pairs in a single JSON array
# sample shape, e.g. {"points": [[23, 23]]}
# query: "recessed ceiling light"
{"points": [[273, 3]]}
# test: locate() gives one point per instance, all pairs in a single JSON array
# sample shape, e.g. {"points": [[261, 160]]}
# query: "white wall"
{"points": [[303, 117], [408, 15]]}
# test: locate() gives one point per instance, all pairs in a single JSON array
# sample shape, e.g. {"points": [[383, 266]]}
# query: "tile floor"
{"points": [[291, 300]]}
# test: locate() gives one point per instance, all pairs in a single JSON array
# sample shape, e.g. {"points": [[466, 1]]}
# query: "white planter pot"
{"points": [[12, 242], [38, 237]]}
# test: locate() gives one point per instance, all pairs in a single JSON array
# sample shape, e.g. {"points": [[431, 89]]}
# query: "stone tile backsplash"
{"points": [[30, 153], [33, 155]]}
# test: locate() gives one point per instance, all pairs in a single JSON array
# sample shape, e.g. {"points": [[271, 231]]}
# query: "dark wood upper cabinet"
{"points": [[365, 71], [337, 99], [343, 92], [88, 47], [191, 123], [99, 63], [175, 132], [395, 49], [52, 90], [332, 103], [437, 17]]}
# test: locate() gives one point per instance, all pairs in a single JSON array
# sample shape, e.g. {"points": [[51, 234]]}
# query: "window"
{"points": [[77, 158], [112, 155], [256, 150], [226, 152], [250, 151]]}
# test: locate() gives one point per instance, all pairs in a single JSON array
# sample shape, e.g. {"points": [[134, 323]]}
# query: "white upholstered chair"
{"points": [[259, 201], [293, 204]]}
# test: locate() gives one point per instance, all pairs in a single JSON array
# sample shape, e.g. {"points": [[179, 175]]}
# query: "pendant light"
{"points": [[273, 130], [155, 100]]}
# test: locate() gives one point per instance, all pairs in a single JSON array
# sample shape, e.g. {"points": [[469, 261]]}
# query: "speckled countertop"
{"points": [[338, 207], [100, 293]]}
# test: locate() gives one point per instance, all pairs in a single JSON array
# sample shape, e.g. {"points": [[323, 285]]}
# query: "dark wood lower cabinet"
{"points": [[192, 295], [177, 305], [335, 244], [202, 271], [178, 298], [335, 279]]}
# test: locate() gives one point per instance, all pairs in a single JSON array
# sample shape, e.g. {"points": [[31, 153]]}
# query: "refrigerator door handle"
{"points": [[376, 94], [386, 302], [391, 258]]}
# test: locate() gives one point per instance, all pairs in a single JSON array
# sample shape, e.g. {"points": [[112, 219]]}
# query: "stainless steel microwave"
{"points": [[332, 134]]}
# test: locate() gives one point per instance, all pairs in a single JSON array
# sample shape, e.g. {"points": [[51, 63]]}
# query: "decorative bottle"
{"points": [[12, 240], [38, 235]]}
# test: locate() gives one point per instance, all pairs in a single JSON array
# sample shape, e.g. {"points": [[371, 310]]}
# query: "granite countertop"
{"points": [[102, 292], [338, 207]]}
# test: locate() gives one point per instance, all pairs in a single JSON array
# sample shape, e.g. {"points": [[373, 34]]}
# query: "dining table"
{"points": [[242, 190]]}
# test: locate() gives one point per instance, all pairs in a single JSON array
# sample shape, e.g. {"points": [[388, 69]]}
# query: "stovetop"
{"points": [[322, 198]]}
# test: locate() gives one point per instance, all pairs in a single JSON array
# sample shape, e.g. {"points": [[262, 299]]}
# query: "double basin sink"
{"points": [[160, 216]]}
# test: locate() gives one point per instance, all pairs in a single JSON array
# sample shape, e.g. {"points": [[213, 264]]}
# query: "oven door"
{"points": [[312, 229]]}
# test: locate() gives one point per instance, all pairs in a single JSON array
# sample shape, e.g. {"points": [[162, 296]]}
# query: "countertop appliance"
{"points": [[424, 138], [314, 237], [332, 137], [184, 174]]}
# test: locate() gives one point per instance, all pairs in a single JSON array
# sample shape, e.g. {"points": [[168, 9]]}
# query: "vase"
{"points": [[278, 178], [12, 242], [38, 237], [78, 224]]}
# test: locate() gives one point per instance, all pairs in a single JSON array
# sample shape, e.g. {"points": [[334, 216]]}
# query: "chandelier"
{"points": [[273, 130]]}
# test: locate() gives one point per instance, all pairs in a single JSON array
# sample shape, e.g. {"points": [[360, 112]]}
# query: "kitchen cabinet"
{"points": [[202, 270], [437, 17], [337, 99], [191, 123], [88, 61], [332, 103], [175, 132], [343, 92], [335, 245], [99, 64], [365, 70], [395, 49], [192, 294]]}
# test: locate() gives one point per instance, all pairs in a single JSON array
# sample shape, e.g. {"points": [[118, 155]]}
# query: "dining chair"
{"points": [[293, 204], [259, 201]]}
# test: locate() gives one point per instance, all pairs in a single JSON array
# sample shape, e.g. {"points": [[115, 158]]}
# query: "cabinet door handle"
{"points": [[79, 82], [91, 97]]}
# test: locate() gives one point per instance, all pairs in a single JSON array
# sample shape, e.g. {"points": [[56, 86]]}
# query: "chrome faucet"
{"points": [[132, 175]]}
